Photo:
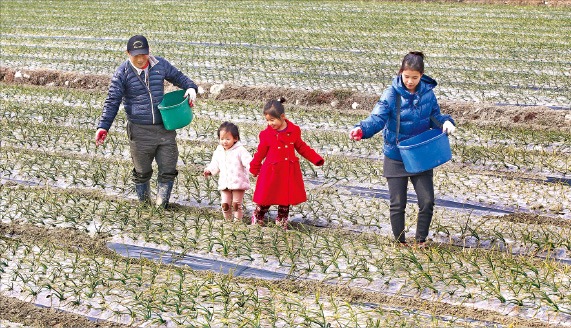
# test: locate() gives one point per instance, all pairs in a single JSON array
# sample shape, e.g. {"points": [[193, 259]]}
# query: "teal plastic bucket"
{"points": [[175, 111], [425, 151]]}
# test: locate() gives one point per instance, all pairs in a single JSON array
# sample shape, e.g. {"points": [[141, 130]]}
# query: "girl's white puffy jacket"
{"points": [[233, 165]]}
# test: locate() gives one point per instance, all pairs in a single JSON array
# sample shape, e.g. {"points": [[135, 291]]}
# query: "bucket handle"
{"points": [[397, 108]]}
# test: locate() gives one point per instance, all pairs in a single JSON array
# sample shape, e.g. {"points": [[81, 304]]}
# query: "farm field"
{"points": [[76, 248]]}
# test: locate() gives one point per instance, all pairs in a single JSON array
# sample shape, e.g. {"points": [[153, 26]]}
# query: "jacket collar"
{"points": [[287, 129], [426, 84], [152, 62], [238, 144]]}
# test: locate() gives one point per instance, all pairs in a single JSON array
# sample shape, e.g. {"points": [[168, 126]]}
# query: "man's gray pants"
{"points": [[424, 188], [152, 142]]}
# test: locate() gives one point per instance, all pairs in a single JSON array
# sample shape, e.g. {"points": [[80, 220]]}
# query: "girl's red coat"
{"points": [[280, 181]]}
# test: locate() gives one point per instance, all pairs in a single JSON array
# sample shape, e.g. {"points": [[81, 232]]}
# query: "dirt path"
{"points": [[529, 117]]}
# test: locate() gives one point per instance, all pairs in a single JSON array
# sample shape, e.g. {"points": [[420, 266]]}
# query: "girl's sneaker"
{"points": [[282, 222]]}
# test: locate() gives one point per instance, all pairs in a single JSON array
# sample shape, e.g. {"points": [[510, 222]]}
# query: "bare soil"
{"points": [[28, 314], [530, 218], [482, 114]]}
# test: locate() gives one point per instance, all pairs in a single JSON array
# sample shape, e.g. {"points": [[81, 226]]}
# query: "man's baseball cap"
{"points": [[138, 45]]}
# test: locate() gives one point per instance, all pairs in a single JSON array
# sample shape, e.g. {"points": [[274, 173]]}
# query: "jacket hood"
{"points": [[426, 84], [238, 144]]}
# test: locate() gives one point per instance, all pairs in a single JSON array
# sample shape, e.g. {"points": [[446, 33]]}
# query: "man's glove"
{"points": [[191, 95], [100, 136], [448, 127], [356, 134]]}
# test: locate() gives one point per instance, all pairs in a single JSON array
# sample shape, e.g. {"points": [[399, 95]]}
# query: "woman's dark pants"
{"points": [[424, 188]]}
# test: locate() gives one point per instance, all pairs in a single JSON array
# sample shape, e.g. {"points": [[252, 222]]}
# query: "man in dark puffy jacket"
{"points": [[139, 84]]}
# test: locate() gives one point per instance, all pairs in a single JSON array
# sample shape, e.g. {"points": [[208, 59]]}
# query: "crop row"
{"points": [[329, 204], [80, 108], [301, 73], [314, 45], [367, 260], [142, 293], [505, 149], [66, 131], [76, 163]]}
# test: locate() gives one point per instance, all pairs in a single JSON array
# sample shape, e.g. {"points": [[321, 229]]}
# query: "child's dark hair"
{"points": [[413, 61], [275, 108], [229, 127]]}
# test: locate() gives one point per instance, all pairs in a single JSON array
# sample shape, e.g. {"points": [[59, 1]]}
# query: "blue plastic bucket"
{"points": [[425, 151], [175, 111]]}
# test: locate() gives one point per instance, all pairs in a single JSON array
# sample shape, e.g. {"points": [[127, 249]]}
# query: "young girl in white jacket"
{"points": [[231, 161]]}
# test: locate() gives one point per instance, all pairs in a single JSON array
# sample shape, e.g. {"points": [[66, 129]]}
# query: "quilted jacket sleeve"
{"points": [[114, 98], [176, 77], [379, 115], [441, 118]]}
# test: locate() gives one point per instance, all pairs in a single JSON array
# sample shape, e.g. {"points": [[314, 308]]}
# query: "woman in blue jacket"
{"points": [[138, 83], [419, 111]]}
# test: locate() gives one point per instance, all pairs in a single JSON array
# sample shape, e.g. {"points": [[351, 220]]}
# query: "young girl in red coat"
{"points": [[279, 179]]}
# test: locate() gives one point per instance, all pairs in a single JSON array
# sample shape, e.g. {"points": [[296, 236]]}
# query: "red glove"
{"points": [[356, 134], [320, 162], [100, 136]]}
